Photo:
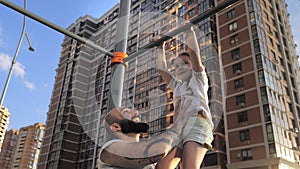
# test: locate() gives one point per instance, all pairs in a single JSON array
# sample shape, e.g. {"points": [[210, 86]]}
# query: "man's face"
{"points": [[129, 121], [129, 114]]}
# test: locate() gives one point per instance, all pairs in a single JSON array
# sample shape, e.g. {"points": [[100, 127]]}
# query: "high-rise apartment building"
{"points": [[4, 121], [262, 81], [27, 147], [73, 116], [248, 45], [8, 148]]}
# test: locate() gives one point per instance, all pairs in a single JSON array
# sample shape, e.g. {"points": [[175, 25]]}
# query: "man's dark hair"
{"points": [[110, 119]]}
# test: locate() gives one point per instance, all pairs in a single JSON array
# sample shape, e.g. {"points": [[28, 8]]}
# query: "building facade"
{"points": [[4, 121], [262, 82], [27, 147], [8, 148], [73, 116], [236, 48]]}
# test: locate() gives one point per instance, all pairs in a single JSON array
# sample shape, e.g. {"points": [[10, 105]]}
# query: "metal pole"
{"points": [[55, 27], [14, 59], [175, 32], [99, 119], [118, 69]]}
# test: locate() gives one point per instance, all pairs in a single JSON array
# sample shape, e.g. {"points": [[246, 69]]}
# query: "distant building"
{"points": [[28, 146], [4, 121], [8, 148]]}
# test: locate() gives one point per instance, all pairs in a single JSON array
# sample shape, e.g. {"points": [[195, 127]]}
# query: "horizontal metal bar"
{"points": [[175, 32], [55, 27]]}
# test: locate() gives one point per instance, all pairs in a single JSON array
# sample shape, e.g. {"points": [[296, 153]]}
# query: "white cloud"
{"points": [[29, 85], [19, 70], [0, 30], [46, 85], [5, 64], [4, 61]]}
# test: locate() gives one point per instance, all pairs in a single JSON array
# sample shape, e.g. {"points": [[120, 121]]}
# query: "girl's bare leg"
{"points": [[171, 160], [193, 155]]}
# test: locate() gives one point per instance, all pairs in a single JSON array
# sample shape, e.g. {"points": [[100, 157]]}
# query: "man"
{"points": [[122, 124], [122, 147]]}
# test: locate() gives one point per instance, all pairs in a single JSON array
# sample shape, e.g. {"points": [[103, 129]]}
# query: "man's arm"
{"points": [[162, 63], [194, 51]]}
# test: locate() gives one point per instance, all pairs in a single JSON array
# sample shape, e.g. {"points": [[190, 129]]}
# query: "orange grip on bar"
{"points": [[118, 58]]}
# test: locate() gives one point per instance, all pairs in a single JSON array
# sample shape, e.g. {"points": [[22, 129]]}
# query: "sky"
{"points": [[30, 88]]}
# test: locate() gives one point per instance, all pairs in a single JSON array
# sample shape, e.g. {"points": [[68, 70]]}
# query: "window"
{"points": [[268, 28], [231, 14], [235, 54], [263, 3], [277, 6], [276, 35], [191, 13], [190, 2], [279, 18], [237, 68], [241, 100], [233, 39], [271, 41], [256, 46], [293, 84], [274, 22], [266, 15], [287, 91], [267, 113], [287, 54], [270, 134], [272, 11], [238, 83], [181, 10], [205, 28], [246, 154], [252, 18], [272, 150], [272, 55], [173, 42], [244, 135], [203, 6], [164, 5], [232, 26], [242, 116]]}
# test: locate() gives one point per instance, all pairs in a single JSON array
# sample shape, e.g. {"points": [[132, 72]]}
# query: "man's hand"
{"points": [[161, 45]]}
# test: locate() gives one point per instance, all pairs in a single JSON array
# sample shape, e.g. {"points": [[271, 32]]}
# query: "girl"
{"points": [[190, 82]]}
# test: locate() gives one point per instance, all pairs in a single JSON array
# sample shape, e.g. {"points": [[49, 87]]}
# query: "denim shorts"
{"points": [[198, 130]]}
